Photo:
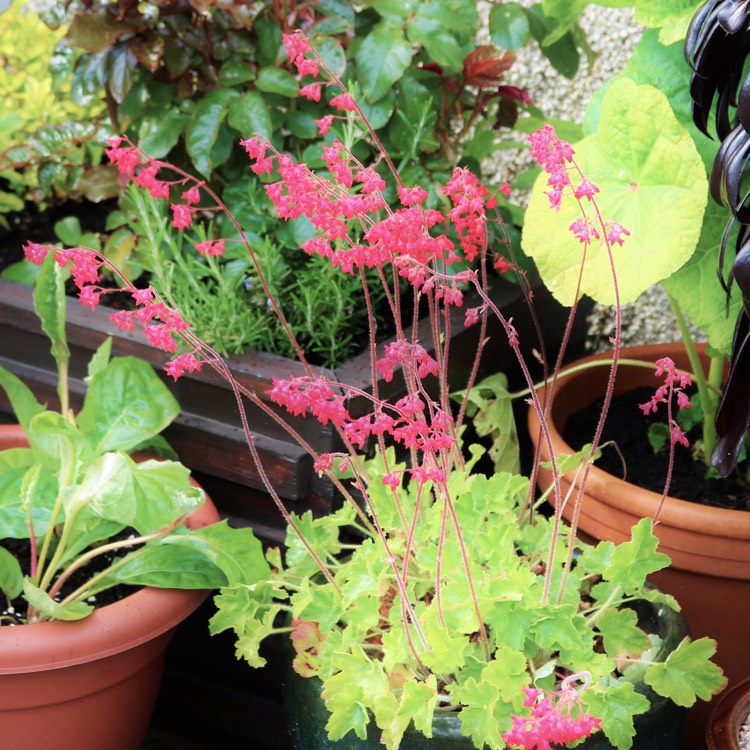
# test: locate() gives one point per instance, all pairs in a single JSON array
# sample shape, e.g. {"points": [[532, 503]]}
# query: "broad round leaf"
{"points": [[509, 26], [652, 181], [382, 59]]}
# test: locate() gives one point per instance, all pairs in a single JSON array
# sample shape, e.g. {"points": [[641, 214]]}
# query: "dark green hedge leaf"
{"points": [[204, 127], [249, 114]]}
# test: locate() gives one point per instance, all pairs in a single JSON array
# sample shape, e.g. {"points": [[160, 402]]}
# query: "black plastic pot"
{"points": [[659, 729]]}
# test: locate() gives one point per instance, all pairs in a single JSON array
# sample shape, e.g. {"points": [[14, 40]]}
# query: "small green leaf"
{"points": [[659, 435], [633, 561], [688, 673], [203, 130], [509, 26], [277, 81], [52, 610], [50, 304], [621, 634], [616, 707], [11, 575], [249, 114]]}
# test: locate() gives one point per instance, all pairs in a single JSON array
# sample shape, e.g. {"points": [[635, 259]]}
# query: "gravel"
{"points": [[612, 34]]}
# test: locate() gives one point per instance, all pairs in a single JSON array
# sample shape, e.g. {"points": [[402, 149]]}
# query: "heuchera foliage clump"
{"points": [[458, 594]]}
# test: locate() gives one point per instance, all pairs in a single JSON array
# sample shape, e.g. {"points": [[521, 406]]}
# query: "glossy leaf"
{"points": [[273, 80], [159, 134], [382, 59], [652, 181], [126, 404], [95, 30], [249, 114], [204, 127], [509, 26]]}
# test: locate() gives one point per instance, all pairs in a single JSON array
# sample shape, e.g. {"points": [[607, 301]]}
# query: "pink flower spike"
{"points": [[307, 67], [182, 216], [210, 247], [295, 44], [504, 189], [616, 233]]}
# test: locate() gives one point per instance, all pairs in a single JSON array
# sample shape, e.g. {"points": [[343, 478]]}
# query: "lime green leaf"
{"points": [[672, 16], [106, 488], [382, 59], [622, 636], [652, 181], [688, 673], [616, 708], [52, 610], [633, 561]]}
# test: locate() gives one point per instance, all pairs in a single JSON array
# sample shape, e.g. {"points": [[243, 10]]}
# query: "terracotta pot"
{"points": [[92, 683], [658, 729], [709, 547], [727, 718]]}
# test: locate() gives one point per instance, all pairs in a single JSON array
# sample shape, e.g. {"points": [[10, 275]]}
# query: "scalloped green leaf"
{"points": [[671, 17], [616, 708], [687, 673], [652, 181]]}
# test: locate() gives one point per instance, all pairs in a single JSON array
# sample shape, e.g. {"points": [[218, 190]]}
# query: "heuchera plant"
{"points": [[435, 587]]}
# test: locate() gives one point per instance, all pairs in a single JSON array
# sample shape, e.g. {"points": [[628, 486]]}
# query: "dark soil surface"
{"points": [[628, 428], [21, 549]]}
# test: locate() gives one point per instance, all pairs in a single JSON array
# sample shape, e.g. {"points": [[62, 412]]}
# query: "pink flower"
{"points": [[182, 216], [35, 252], [344, 103], [192, 195], [312, 91], [324, 124], [210, 247]]}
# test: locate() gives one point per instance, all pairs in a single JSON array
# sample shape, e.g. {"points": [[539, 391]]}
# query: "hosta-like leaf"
{"points": [[126, 404], [652, 181], [687, 673], [52, 610], [11, 575]]}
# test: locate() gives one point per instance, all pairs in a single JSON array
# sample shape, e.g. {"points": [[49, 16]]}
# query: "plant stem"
{"points": [[708, 388]]}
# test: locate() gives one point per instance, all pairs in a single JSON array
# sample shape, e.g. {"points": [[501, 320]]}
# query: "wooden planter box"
{"points": [[207, 435]]}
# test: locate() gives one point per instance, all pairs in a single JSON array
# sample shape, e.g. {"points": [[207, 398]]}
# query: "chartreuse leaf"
{"points": [[45, 605], [322, 534], [633, 561], [58, 442], [671, 16], [447, 650], [687, 673], [16, 466], [652, 181], [125, 405], [616, 707], [490, 407], [11, 575], [250, 612], [359, 682], [100, 359], [22, 399], [382, 59], [489, 700], [621, 634]]}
